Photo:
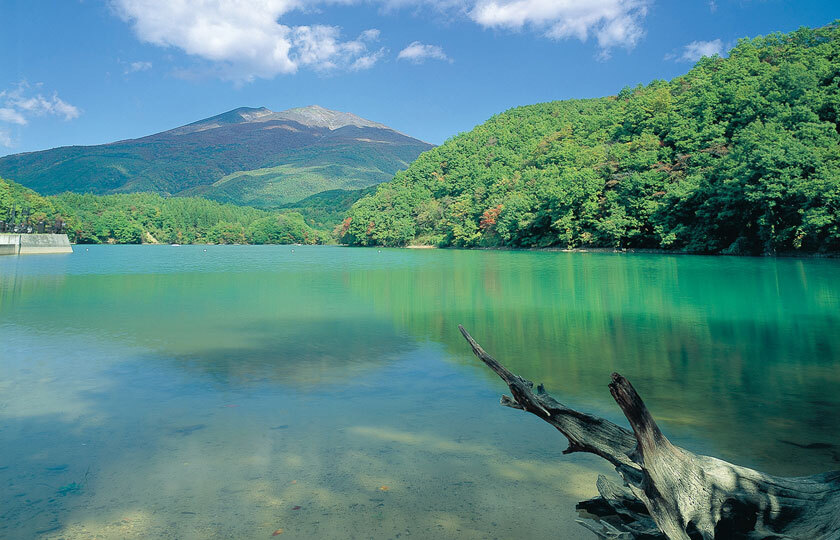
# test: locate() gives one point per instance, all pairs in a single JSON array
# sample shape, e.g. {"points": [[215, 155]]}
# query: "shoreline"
{"points": [[640, 251], [637, 251]]}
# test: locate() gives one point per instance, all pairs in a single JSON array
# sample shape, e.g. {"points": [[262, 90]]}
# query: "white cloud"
{"points": [[367, 61], [11, 116], [20, 103], [418, 52], [244, 36], [246, 39], [39, 105], [370, 35], [134, 67], [612, 22], [696, 50], [322, 48]]}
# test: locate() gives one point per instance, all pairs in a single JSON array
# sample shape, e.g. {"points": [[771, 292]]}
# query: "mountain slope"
{"points": [[246, 156], [740, 155]]}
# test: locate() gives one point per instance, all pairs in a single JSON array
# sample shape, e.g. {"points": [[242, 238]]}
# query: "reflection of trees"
{"points": [[15, 286], [756, 335], [289, 327]]}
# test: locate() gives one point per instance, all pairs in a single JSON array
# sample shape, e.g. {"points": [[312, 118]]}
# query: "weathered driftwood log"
{"points": [[668, 491]]}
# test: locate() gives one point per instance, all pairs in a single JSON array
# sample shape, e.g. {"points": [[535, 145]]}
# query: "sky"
{"points": [[82, 72]]}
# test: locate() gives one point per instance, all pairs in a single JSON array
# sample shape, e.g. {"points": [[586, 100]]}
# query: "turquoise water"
{"points": [[173, 392]]}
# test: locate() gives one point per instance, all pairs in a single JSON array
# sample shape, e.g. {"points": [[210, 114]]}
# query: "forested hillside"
{"points": [[325, 210], [13, 195], [740, 156], [149, 218]]}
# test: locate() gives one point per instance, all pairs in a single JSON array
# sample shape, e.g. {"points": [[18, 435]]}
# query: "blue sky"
{"points": [[96, 71]]}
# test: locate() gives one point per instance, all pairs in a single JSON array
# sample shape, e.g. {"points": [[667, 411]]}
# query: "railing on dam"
{"points": [[31, 244]]}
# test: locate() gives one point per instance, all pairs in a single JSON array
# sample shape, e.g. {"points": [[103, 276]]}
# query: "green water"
{"points": [[173, 392]]}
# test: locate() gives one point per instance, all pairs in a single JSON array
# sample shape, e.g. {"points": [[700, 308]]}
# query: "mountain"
{"points": [[741, 155], [245, 156]]}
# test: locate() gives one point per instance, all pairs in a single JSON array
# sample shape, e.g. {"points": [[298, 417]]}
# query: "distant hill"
{"points": [[741, 155], [245, 156], [327, 209]]}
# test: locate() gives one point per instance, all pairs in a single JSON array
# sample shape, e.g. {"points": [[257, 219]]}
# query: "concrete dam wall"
{"points": [[29, 244]]}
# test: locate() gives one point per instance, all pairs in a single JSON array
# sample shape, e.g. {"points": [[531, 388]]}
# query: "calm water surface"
{"points": [[173, 392]]}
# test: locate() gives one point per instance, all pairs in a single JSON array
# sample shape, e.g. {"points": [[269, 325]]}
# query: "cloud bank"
{"points": [[246, 36], [246, 39], [613, 23]]}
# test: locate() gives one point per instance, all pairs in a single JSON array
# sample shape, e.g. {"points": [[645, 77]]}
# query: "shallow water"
{"points": [[172, 392]]}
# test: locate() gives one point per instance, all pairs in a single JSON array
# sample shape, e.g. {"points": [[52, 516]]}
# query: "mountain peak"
{"points": [[311, 116], [317, 116]]}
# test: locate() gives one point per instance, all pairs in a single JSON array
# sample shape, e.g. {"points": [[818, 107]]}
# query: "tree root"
{"points": [[669, 492]]}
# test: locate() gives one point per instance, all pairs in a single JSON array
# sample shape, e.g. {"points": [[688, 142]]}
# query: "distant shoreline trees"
{"points": [[136, 218]]}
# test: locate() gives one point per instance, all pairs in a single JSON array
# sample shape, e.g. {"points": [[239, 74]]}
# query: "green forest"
{"points": [[738, 156], [149, 218], [741, 155]]}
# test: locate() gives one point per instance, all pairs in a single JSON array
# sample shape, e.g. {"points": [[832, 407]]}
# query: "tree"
{"points": [[670, 492]]}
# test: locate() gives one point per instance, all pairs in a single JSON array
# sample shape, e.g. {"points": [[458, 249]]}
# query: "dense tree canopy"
{"points": [[148, 218], [740, 155], [14, 196], [145, 217]]}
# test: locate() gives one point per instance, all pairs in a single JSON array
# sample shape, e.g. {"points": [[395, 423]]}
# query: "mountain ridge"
{"points": [[293, 154]]}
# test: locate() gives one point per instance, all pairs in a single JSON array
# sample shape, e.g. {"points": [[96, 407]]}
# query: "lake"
{"points": [[202, 392]]}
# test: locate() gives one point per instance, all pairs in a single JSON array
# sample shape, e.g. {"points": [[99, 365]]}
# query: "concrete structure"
{"points": [[28, 244]]}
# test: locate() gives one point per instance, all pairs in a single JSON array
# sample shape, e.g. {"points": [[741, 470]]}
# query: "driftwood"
{"points": [[669, 492]]}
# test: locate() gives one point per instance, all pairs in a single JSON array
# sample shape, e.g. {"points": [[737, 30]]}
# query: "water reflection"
{"points": [[713, 344], [159, 453], [171, 392]]}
